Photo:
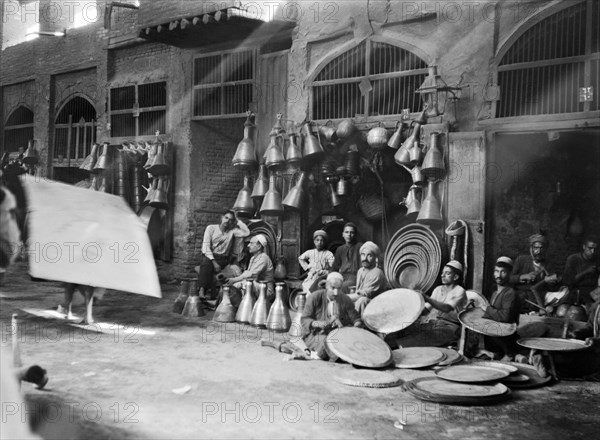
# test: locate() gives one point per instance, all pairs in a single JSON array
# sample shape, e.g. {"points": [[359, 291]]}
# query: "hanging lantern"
{"points": [[433, 90]]}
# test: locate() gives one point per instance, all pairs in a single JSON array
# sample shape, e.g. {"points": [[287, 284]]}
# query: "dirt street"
{"points": [[152, 374]]}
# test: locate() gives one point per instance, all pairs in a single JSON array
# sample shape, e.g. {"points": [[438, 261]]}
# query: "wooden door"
{"points": [[465, 197]]}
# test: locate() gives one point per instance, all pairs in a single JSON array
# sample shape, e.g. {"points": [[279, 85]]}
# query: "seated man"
{"points": [[219, 248], [532, 274], [317, 262], [260, 269], [448, 299], [439, 325], [370, 279], [581, 271], [504, 307], [347, 256], [325, 310]]}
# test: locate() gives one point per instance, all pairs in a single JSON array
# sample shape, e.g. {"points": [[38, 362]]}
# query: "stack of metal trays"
{"points": [[433, 389], [413, 258]]}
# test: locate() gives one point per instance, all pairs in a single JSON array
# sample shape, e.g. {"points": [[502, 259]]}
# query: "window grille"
{"points": [[18, 129], [373, 79], [222, 84], [138, 110], [74, 129], [543, 70]]}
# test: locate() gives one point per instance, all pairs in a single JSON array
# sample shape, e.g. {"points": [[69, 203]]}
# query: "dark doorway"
{"points": [[548, 182]]}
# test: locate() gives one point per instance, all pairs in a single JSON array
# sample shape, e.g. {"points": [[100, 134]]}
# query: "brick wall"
{"points": [[215, 183]]}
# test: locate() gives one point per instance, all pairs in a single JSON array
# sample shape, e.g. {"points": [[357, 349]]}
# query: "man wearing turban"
{"points": [[260, 269], [532, 274], [370, 279], [326, 310], [317, 262]]}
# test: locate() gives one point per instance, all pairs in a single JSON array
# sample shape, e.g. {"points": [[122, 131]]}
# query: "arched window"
{"points": [[74, 129], [372, 79], [553, 65], [18, 129]]}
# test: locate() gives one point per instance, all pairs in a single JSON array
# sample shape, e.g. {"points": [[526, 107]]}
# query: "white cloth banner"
{"points": [[87, 237]]}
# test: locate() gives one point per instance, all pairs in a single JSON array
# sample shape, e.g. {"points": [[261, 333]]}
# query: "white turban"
{"points": [[335, 276], [371, 248], [262, 240]]}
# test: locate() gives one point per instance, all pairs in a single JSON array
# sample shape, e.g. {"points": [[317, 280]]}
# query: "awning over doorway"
{"points": [[229, 24]]}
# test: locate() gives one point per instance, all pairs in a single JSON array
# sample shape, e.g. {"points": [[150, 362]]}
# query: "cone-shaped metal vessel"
{"points": [[193, 307], [335, 199], [433, 164], [271, 204], [279, 319], [31, 156], [261, 185], [431, 207], [151, 149], [90, 161], [296, 326], [260, 311], [159, 166], [159, 198], [395, 141], [244, 312], [225, 312], [151, 190], [244, 206], [402, 156], [280, 272], [415, 153], [103, 162], [274, 159], [245, 154], [293, 154], [293, 199], [413, 202], [417, 176], [312, 147], [342, 187]]}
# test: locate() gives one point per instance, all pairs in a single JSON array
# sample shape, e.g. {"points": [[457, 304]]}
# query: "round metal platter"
{"points": [[452, 356], [471, 373], [393, 310], [368, 379], [359, 347], [553, 344], [432, 389], [417, 357], [473, 319]]}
